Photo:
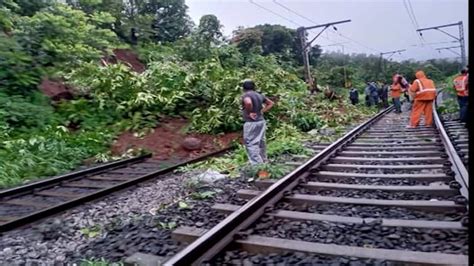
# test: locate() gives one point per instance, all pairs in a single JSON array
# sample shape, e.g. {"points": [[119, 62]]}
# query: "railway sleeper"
{"points": [[307, 216], [339, 159], [392, 148], [419, 177], [316, 186], [395, 154], [265, 245], [336, 167], [437, 206]]}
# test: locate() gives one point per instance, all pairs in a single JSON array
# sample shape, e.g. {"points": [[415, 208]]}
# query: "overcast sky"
{"points": [[376, 26]]}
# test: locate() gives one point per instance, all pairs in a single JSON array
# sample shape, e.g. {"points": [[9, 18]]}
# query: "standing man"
{"points": [[460, 84], [424, 92], [367, 95], [254, 126], [374, 95], [383, 94], [354, 96], [395, 92]]}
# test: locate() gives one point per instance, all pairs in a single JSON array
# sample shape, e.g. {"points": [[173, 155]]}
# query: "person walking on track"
{"points": [[395, 93], [424, 92], [460, 84], [254, 105]]}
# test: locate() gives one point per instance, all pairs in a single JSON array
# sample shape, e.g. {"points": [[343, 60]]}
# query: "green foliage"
{"points": [[60, 35], [275, 171], [48, 152], [208, 194], [18, 75], [29, 8], [24, 113], [168, 225], [209, 30], [91, 232], [171, 21], [99, 262], [306, 120], [7, 8]]}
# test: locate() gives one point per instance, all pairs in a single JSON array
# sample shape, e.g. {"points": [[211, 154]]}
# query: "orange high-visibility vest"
{"points": [[424, 93], [460, 83]]}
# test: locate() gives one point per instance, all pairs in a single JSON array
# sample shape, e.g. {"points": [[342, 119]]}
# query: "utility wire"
{"points": [[331, 29], [413, 14], [357, 42], [299, 15], [431, 43], [274, 13], [413, 20], [294, 12]]}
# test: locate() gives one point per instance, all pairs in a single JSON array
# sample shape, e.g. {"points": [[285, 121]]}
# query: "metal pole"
{"points": [[460, 39], [304, 50], [461, 42], [301, 31]]}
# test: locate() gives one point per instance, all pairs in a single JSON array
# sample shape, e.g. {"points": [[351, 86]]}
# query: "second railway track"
{"points": [[34, 201], [380, 194]]}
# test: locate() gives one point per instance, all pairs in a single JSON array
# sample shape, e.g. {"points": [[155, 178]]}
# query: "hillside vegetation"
{"points": [[192, 71]]}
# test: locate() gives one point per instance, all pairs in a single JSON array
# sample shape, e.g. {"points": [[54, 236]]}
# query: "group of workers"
{"points": [[374, 95], [420, 94]]}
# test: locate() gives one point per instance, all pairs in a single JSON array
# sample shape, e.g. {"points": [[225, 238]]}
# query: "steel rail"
{"points": [[460, 172], [97, 194], [217, 238], [53, 180]]}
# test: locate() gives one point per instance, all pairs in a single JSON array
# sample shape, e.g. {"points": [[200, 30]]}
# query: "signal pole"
{"points": [[391, 53], [460, 39], [302, 32]]}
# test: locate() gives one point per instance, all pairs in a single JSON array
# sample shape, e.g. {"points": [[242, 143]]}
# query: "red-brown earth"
{"points": [[166, 141]]}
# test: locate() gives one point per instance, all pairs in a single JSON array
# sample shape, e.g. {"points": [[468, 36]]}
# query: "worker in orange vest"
{"points": [[460, 84], [424, 92], [395, 92]]}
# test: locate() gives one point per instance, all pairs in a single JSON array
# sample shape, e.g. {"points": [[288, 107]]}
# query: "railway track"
{"points": [[458, 135], [380, 194], [31, 202]]}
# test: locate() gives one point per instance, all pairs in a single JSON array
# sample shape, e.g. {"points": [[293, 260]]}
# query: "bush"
{"points": [[24, 114], [61, 36], [49, 152]]}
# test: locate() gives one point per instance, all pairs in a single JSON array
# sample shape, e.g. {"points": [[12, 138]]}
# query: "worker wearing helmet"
{"points": [[460, 84], [424, 92]]}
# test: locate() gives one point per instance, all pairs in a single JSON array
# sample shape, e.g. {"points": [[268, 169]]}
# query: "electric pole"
{"points": [[391, 53], [301, 31], [460, 39]]}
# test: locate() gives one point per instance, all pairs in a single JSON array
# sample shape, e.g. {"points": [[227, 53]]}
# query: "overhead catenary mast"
{"points": [[460, 39], [305, 45]]}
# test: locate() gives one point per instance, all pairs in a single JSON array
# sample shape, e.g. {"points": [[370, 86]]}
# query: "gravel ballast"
{"points": [[98, 229], [370, 235]]}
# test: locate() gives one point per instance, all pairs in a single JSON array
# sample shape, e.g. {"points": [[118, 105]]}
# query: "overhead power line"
{"points": [[298, 14], [294, 12], [413, 13], [274, 13], [431, 43], [412, 19], [331, 29], [357, 42]]}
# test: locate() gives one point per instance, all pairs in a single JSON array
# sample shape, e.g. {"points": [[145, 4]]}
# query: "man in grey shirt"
{"points": [[254, 126]]}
